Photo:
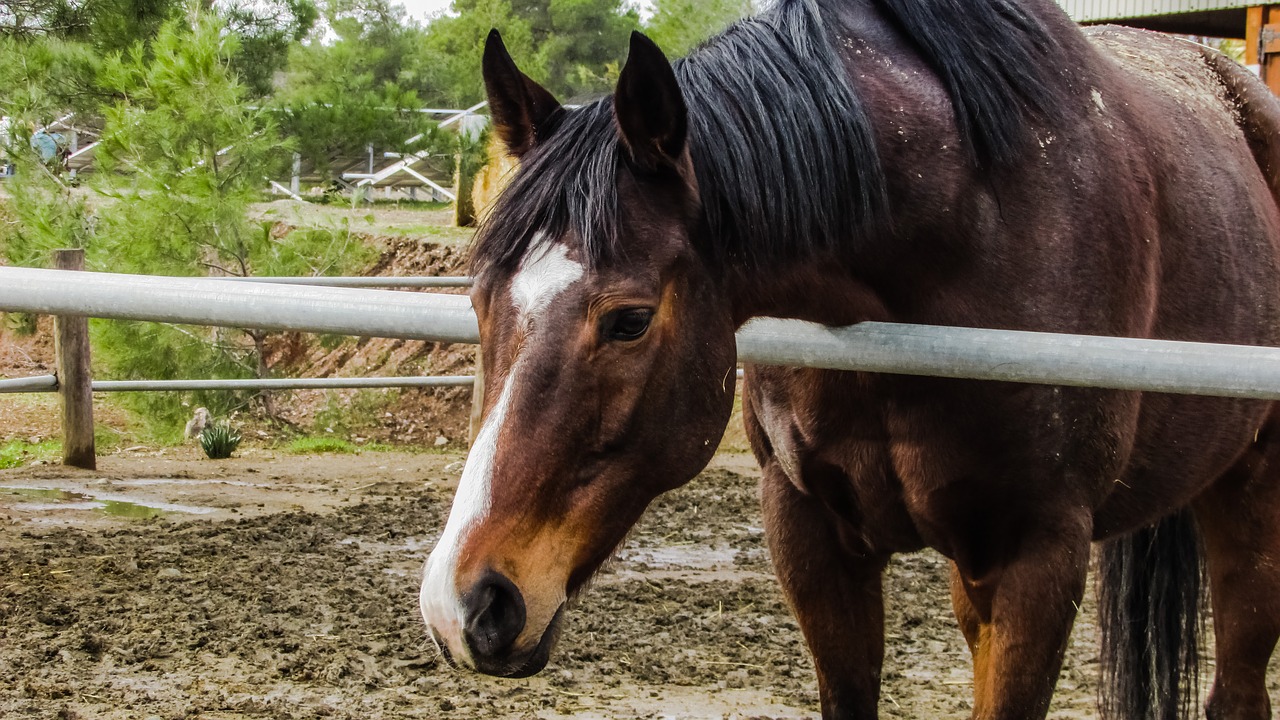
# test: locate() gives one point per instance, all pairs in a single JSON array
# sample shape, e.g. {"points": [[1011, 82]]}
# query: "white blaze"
{"points": [[544, 274]]}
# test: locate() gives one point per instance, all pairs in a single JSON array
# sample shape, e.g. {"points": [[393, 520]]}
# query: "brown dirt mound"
{"points": [[400, 416]]}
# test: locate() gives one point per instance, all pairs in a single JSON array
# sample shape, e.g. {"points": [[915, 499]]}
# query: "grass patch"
{"points": [[439, 233], [17, 453], [107, 439], [318, 445]]}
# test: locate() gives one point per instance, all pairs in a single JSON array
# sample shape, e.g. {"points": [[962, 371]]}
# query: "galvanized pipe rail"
{"points": [[371, 383], [362, 282], [1018, 356], [1005, 355], [33, 384], [49, 383], [222, 302]]}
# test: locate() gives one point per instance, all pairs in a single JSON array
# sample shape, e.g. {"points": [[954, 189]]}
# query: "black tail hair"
{"points": [[1150, 595]]}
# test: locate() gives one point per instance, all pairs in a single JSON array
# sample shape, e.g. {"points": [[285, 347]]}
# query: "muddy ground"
{"points": [[274, 586]]}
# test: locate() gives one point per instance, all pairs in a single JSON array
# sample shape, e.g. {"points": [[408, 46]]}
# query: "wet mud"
{"points": [[295, 596]]}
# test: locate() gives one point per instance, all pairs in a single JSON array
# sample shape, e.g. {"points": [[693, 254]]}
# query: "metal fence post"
{"points": [[75, 390]]}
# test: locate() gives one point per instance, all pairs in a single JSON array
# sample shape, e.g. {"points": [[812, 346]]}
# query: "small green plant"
{"points": [[219, 440]]}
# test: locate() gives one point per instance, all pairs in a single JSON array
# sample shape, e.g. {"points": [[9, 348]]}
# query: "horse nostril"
{"points": [[495, 615]]}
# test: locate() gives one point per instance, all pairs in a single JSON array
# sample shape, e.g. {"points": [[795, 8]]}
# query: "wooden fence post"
{"points": [[75, 390]]}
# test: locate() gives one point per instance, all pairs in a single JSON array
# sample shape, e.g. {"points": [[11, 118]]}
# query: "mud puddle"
{"points": [[54, 503]]}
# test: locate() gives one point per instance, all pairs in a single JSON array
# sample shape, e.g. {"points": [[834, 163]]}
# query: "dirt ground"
{"points": [[274, 586]]}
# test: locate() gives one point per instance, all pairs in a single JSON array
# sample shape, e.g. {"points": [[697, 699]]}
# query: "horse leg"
{"points": [[1017, 616], [1237, 518], [971, 627], [835, 594]]}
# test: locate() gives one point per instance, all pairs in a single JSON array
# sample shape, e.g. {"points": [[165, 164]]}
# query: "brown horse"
{"points": [[981, 163]]}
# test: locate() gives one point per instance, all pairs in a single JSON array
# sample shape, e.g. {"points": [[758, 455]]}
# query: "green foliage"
{"points": [[21, 324], [341, 96], [266, 31], [219, 441], [574, 47], [117, 24], [455, 44], [43, 78], [316, 445], [43, 213], [108, 24], [584, 45], [183, 155], [17, 453], [40, 80], [106, 439], [155, 351], [678, 26], [184, 129], [346, 415]]}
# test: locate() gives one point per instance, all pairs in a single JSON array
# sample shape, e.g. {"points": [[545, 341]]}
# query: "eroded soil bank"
{"points": [[274, 586]]}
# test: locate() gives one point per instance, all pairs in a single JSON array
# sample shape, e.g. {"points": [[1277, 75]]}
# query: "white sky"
{"points": [[423, 9]]}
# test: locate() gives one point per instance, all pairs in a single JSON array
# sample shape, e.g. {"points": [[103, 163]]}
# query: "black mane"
{"points": [[775, 128], [1001, 66]]}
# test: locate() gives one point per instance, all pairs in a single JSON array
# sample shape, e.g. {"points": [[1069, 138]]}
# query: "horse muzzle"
{"points": [[494, 618]]}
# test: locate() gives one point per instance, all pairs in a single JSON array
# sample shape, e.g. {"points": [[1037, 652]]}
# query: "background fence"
{"points": [[982, 354]]}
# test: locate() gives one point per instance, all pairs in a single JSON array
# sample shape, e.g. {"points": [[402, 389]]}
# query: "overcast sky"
{"points": [[423, 9]]}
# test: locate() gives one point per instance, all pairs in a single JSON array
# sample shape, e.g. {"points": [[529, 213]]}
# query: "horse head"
{"points": [[609, 355]]}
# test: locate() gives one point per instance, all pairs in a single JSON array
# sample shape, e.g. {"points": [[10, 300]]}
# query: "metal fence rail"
{"points": [[361, 282], [49, 383], [1150, 365], [1018, 356], [266, 306], [37, 383]]}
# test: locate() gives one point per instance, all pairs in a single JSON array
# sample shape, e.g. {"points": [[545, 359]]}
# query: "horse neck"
{"points": [[824, 291], [928, 175]]}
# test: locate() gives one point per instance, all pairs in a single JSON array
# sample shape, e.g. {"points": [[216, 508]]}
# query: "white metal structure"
{"points": [[405, 165], [1101, 10]]}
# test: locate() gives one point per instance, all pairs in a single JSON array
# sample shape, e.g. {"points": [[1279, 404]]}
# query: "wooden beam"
{"points": [[75, 388], [1253, 35], [1270, 39]]}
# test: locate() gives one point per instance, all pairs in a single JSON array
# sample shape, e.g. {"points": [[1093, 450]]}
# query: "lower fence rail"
{"points": [[49, 383], [37, 383]]}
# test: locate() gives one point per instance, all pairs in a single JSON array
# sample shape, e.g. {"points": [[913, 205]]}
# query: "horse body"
{"points": [[1177, 245], [1137, 202], [1100, 232]]}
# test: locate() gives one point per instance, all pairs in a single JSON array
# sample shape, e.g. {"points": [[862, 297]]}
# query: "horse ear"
{"points": [[650, 108], [522, 110]]}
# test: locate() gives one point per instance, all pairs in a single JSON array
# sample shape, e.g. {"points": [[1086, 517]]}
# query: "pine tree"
{"points": [[182, 157]]}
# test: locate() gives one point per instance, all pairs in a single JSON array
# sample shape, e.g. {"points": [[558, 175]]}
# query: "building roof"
{"points": [[1220, 18]]}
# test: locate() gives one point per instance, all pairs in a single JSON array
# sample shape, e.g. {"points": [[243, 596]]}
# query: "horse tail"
{"points": [[1258, 113], [1150, 595]]}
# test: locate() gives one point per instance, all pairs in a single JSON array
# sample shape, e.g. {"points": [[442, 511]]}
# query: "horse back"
{"points": [[1203, 131]]}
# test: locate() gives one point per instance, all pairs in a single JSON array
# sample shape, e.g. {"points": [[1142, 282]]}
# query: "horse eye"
{"points": [[629, 324]]}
